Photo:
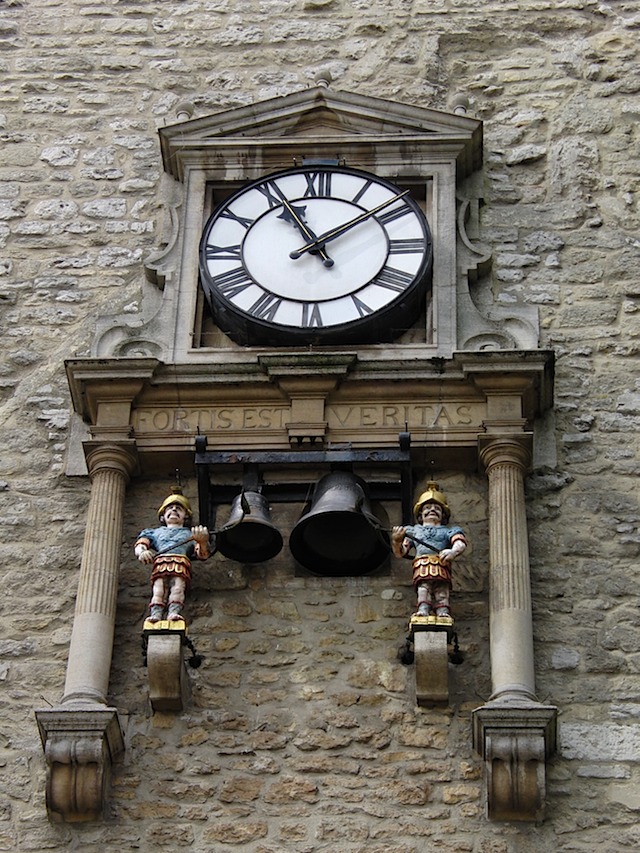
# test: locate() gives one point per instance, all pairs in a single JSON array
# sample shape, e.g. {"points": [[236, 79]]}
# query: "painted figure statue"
{"points": [[435, 544], [170, 548]]}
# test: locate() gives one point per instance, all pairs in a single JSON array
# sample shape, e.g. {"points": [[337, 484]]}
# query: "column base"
{"points": [[80, 745], [515, 738]]}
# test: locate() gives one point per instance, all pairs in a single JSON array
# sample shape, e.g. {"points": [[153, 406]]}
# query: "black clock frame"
{"points": [[380, 326]]}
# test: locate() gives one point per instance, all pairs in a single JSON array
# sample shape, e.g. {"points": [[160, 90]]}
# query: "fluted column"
{"points": [[110, 466], [82, 737], [512, 671], [513, 732]]}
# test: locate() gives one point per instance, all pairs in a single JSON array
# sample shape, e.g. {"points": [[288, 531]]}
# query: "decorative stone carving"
{"points": [[515, 741], [307, 380], [483, 325], [82, 737], [80, 745]]}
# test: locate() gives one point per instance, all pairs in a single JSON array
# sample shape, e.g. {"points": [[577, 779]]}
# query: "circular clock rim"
{"points": [[381, 326]]}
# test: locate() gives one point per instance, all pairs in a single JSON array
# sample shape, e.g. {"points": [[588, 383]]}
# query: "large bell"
{"points": [[339, 534], [249, 535]]}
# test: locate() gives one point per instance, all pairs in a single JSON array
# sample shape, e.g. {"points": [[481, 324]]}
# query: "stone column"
{"points": [[89, 663], [511, 630], [513, 732], [82, 737]]}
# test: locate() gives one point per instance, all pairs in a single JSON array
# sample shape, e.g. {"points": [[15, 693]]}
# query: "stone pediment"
{"points": [[303, 123]]}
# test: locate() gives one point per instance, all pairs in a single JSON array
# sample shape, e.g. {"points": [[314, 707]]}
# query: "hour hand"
{"points": [[295, 215]]}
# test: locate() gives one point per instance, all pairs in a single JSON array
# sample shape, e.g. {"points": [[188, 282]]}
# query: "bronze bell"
{"points": [[339, 535], [249, 535]]}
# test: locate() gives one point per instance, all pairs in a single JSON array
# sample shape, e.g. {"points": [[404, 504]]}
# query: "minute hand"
{"points": [[347, 226]]}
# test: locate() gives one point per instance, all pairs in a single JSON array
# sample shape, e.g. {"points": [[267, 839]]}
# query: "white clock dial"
{"points": [[316, 255]]}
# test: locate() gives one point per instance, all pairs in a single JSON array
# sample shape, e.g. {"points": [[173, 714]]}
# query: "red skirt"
{"points": [[172, 564], [431, 568]]}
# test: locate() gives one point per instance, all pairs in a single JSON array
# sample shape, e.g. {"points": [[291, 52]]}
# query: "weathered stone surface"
{"points": [[300, 688], [600, 741]]}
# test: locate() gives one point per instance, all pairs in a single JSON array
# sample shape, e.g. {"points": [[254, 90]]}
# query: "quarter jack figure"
{"points": [[170, 548], [436, 545]]}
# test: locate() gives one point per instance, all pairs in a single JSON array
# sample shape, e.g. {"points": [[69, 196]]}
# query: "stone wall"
{"points": [[302, 733]]}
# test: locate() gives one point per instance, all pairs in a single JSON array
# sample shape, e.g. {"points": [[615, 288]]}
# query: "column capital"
{"points": [[505, 449], [120, 456]]}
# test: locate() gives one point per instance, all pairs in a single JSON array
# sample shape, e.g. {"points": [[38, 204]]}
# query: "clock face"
{"points": [[316, 255]]}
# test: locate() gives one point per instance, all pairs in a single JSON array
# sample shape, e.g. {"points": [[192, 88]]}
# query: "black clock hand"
{"points": [[306, 231], [347, 226]]}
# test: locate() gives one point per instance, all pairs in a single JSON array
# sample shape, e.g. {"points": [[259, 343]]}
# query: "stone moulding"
{"points": [[80, 746], [515, 741]]}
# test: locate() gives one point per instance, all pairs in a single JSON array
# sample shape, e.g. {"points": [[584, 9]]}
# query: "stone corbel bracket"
{"points": [[515, 742], [80, 746], [432, 667], [168, 683]]}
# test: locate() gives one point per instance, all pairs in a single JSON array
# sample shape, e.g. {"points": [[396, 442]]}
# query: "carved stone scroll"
{"points": [[165, 667], [432, 667], [80, 745], [515, 742]]}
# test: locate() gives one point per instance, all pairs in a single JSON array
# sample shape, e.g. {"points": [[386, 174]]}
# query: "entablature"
{"points": [[319, 400]]}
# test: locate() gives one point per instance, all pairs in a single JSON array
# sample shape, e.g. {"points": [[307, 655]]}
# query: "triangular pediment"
{"points": [[320, 117]]}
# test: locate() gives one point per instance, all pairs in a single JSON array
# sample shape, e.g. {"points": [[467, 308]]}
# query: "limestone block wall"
{"points": [[303, 734]]}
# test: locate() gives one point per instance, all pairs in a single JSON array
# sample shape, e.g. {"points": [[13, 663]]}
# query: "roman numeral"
{"points": [[393, 279], [242, 220], [222, 253], [267, 190], [318, 184], [361, 307], [265, 307], [401, 247], [361, 192], [232, 282], [311, 315], [396, 213]]}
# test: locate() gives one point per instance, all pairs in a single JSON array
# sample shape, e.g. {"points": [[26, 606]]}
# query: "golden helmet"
{"points": [[176, 498], [434, 494]]}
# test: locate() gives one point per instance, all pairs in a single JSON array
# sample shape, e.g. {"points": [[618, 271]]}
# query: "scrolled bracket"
{"points": [[168, 685], [80, 746], [515, 742]]}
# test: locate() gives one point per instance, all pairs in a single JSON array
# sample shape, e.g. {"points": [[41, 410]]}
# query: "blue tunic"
{"points": [[172, 538], [438, 535]]}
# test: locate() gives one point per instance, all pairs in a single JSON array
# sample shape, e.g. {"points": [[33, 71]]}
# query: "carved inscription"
{"points": [[275, 418], [436, 415], [209, 420]]}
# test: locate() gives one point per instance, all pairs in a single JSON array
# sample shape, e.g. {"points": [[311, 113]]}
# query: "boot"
{"points": [[424, 609], [175, 611], [443, 610], [155, 612]]}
